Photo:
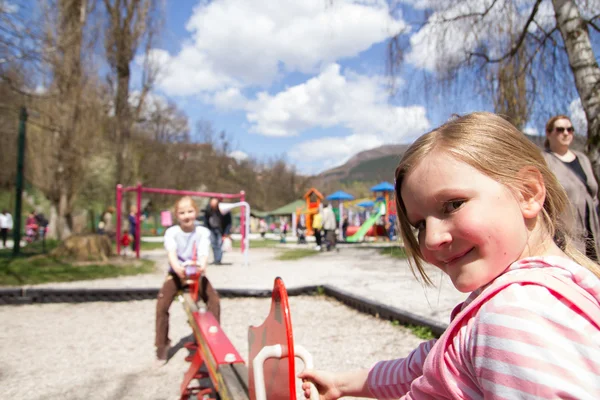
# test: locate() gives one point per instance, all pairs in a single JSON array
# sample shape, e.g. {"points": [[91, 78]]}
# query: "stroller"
{"points": [[31, 233], [301, 233]]}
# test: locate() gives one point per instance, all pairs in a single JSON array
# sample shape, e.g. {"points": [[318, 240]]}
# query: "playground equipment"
{"points": [[383, 208], [313, 200], [272, 353], [368, 224], [139, 189], [340, 196], [215, 365]]}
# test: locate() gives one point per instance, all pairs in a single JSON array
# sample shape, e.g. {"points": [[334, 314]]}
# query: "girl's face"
{"points": [[469, 225], [186, 215]]}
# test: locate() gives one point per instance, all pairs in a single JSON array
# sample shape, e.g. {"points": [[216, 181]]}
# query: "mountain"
{"points": [[376, 164], [379, 164]]}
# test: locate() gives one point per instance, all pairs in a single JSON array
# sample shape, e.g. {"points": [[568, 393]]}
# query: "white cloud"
{"points": [[349, 100], [356, 102], [240, 43], [445, 40], [229, 99], [328, 152], [578, 117], [531, 131], [238, 155], [9, 7]]}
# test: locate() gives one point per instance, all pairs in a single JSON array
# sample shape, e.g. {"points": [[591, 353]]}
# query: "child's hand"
{"points": [[323, 380], [180, 271]]}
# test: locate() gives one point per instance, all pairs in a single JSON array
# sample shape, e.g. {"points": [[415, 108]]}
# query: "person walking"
{"points": [[317, 225], [6, 225], [329, 225], [575, 174], [107, 218], [214, 221]]}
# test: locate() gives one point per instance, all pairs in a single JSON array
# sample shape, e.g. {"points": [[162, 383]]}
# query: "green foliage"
{"points": [[395, 252], [257, 244], [320, 291], [419, 331], [31, 270], [295, 254]]}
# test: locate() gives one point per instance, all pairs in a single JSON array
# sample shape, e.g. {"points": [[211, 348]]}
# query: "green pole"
{"points": [[19, 183]]}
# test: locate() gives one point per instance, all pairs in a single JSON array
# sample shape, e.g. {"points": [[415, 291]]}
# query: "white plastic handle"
{"points": [[276, 351]]}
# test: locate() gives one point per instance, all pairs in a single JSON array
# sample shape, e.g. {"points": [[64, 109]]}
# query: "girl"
{"points": [[476, 199], [180, 242]]}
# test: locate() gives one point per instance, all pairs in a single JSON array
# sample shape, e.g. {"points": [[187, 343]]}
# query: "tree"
{"points": [[66, 112], [531, 50], [130, 23]]}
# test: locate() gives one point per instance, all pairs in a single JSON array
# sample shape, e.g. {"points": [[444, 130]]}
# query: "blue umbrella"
{"points": [[340, 195], [368, 203], [383, 187]]}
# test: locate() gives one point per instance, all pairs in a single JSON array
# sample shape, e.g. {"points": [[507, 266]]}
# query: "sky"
{"points": [[301, 79]]}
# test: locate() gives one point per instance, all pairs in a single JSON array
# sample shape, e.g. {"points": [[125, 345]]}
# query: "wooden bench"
{"points": [[213, 350]]}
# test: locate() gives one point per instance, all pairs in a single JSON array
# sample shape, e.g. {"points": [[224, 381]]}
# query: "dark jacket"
{"points": [[213, 220]]}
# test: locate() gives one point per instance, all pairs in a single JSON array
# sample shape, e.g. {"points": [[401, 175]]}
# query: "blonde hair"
{"points": [[186, 198], [492, 145]]}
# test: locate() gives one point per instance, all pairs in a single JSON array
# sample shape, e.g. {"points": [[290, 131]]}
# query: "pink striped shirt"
{"points": [[533, 333]]}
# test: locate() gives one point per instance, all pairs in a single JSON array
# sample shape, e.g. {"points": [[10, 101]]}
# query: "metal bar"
{"points": [[190, 193], [118, 226], [138, 220], [19, 181]]}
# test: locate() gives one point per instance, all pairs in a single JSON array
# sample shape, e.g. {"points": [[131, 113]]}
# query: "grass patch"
{"points": [[422, 332], [395, 252], [295, 254], [33, 266], [151, 245], [257, 244]]}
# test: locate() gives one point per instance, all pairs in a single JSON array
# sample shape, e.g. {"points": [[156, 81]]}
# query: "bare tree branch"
{"points": [[517, 44]]}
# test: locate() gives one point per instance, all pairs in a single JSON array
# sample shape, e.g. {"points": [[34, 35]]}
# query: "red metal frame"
{"points": [[139, 189], [212, 349], [276, 329]]}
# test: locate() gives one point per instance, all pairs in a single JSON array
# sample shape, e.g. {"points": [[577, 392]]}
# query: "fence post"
{"points": [[119, 216]]}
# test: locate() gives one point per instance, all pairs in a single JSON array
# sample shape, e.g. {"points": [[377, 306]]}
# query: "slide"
{"points": [[362, 231]]}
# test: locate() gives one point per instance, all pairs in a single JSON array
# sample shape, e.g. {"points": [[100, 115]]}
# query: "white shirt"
{"points": [[6, 221], [183, 242]]}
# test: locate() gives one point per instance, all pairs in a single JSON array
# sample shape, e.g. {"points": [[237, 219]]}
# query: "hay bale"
{"points": [[84, 247]]}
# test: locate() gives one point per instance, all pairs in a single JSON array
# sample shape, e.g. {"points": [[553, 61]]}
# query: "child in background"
{"points": [[180, 242], [125, 241], [476, 199]]}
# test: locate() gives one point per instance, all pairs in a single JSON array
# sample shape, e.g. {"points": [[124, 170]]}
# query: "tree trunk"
{"points": [[585, 70], [63, 228]]}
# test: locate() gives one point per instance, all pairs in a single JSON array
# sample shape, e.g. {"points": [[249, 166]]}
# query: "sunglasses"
{"points": [[561, 129]]}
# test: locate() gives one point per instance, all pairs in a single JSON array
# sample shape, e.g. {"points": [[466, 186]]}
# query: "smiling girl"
{"points": [[476, 199], [180, 242]]}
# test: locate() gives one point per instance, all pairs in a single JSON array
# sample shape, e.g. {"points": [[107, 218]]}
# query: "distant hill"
{"points": [[379, 164]]}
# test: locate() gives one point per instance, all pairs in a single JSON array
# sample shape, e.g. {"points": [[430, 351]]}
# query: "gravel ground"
{"points": [[364, 272], [105, 350]]}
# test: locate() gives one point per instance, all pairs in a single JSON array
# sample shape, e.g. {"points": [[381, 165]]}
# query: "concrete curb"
{"points": [[16, 296]]}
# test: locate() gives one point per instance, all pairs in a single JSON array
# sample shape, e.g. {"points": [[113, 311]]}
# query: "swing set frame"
{"points": [[139, 189]]}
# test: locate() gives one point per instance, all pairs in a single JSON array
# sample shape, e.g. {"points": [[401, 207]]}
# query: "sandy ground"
{"points": [[105, 350]]}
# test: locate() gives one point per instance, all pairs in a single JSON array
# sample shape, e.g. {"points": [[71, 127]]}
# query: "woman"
{"points": [[574, 172]]}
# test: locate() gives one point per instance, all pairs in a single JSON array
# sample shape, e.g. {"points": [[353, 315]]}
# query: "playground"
{"points": [[80, 347]]}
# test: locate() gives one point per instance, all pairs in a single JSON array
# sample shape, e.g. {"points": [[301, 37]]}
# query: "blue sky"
{"points": [[300, 78]]}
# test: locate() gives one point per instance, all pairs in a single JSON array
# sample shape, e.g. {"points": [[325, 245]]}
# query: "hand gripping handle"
{"points": [[276, 351]]}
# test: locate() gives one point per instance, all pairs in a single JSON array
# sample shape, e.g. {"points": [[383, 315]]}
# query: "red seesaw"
{"points": [[271, 373]]}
